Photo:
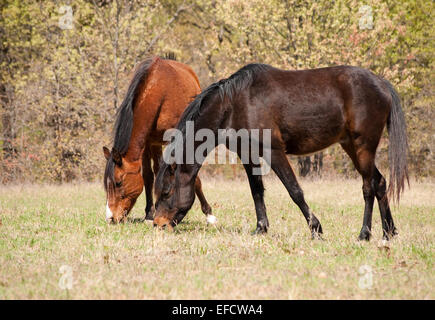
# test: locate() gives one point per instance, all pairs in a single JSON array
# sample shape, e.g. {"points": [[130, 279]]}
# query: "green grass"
{"points": [[45, 227]]}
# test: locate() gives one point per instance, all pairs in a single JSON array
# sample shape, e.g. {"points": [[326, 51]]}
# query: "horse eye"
{"points": [[165, 192], [118, 184]]}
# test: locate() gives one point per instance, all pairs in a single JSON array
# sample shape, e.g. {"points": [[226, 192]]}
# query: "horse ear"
{"points": [[116, 156], [106, 153]]}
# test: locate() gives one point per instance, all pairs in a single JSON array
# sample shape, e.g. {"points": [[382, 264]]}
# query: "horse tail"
{"points": [[124, 119], [398, 146]]}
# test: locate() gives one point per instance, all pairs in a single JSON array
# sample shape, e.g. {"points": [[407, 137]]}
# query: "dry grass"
{"points": [[45, 227]]}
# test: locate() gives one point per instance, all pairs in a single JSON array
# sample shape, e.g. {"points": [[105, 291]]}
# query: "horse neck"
{"points": [[135, 149], [213, 120], [139, 133]]}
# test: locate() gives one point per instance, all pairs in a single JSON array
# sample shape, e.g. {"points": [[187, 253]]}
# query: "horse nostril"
{"points": [[163, 226]]}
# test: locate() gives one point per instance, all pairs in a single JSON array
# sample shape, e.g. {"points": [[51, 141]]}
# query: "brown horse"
{"points": [[305, 111], [157, 96]]}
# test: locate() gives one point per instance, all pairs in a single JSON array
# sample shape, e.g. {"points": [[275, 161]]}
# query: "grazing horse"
{"points": [[306, 111], [157, 96]]}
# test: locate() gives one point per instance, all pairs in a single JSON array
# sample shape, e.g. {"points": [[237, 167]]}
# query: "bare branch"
{"points": [[180, 9]]}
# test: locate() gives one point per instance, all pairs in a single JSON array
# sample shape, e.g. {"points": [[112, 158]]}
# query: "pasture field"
{"points": [[45, 227]]}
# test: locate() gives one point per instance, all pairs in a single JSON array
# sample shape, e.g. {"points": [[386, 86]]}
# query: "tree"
{"points": [[59, 88]]}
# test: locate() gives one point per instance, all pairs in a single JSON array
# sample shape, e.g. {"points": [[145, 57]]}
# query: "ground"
{"points": [[54, 237]]}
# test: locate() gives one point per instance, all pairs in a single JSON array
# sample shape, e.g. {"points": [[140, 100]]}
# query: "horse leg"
{"points": [[388, 228], [148, 179], [364, 161], [156, 154], [369, 198], [284, 171], [205, 207], [257, 192]]}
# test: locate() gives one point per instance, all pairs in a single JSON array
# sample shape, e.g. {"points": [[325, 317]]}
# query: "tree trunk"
{"points": [[7, 119], [309, 165]]}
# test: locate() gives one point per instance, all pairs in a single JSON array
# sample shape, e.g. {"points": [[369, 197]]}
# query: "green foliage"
{"points": [[61, 87]]}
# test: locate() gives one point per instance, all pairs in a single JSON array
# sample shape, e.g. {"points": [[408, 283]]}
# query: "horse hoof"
{"points": [[388, 235], [149, 216], [364, 236], [259, 230], [316, 236]]}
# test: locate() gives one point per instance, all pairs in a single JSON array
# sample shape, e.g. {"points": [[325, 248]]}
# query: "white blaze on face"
{"points": [[109, 213]]}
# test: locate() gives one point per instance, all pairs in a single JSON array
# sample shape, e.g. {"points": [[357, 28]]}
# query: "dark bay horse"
{"points": [[157, 96], [306, 111]]}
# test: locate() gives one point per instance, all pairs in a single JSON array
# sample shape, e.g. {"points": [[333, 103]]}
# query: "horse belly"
{"points": [[310, 132]]}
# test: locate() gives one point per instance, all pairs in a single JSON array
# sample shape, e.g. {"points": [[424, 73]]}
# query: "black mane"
{"points": [[124, 116], [170, 56], [226, 89]]}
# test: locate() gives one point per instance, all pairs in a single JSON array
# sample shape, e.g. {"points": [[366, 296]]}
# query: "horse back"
{"points": [[309, 110], [170, 87]]}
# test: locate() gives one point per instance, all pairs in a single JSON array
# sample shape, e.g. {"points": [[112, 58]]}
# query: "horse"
{"points": [[157, 95], [306, 111]]}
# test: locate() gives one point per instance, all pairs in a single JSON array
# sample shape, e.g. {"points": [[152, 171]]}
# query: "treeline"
{"points": [[65, 66]]}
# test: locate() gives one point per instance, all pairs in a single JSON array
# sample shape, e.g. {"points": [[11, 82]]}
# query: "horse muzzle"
{"points": [[163, 223]]}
